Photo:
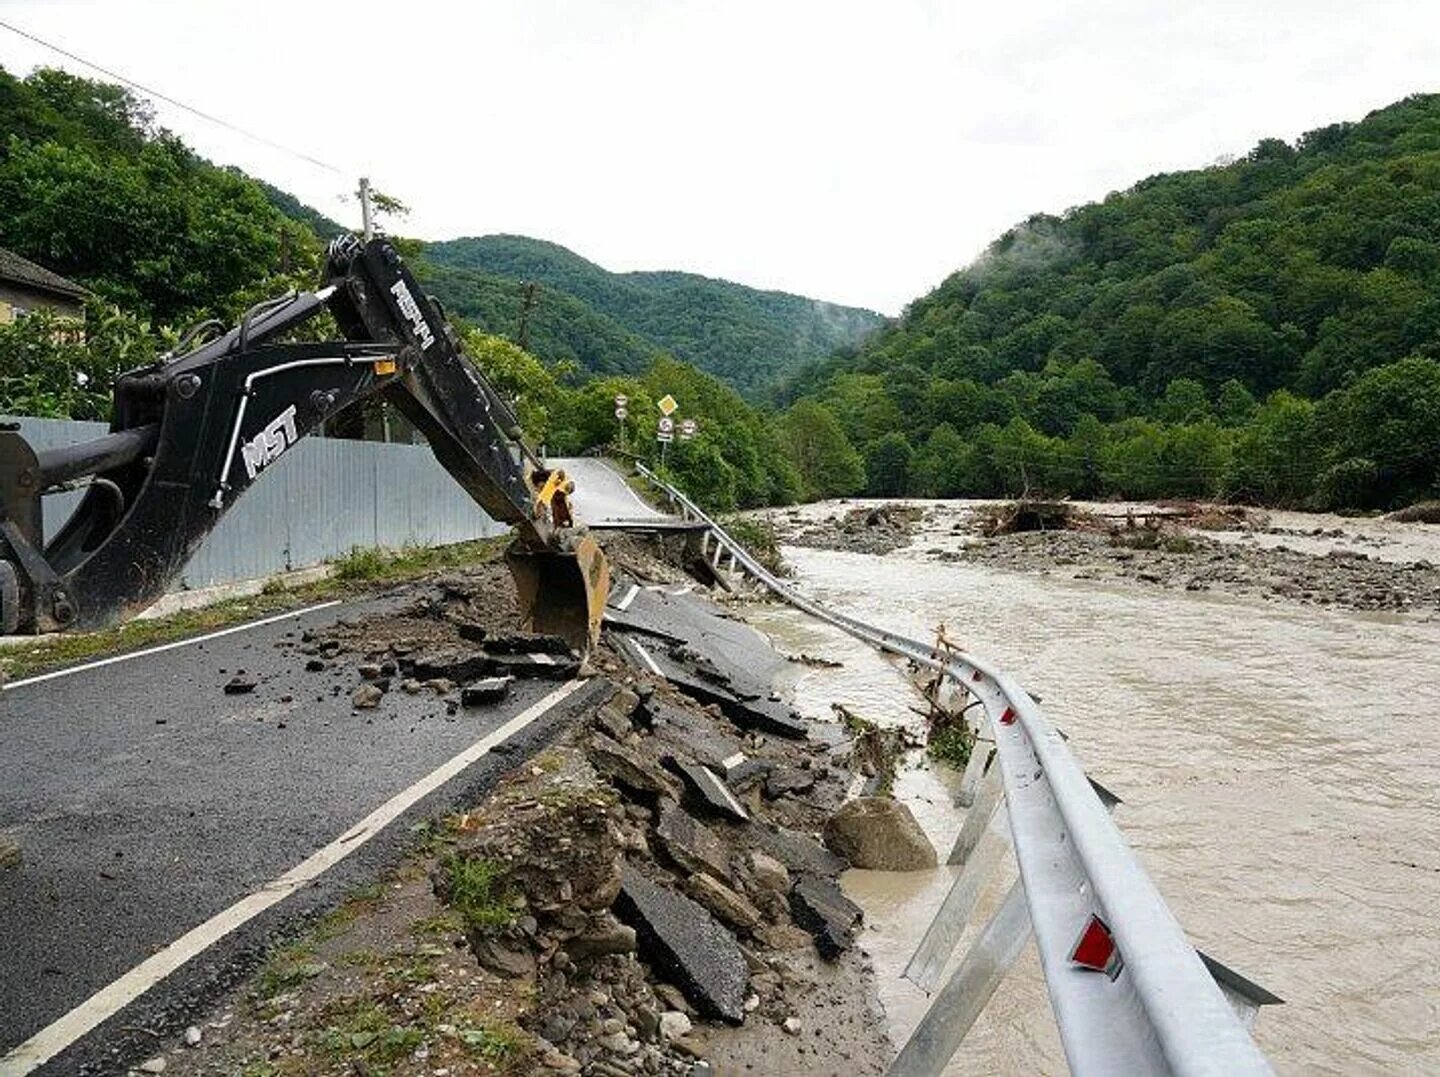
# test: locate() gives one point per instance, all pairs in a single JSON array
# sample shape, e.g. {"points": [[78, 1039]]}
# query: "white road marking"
{"points": [[165, 646], [646, 655], [724, 791], [109, 1000], [624, 603]]}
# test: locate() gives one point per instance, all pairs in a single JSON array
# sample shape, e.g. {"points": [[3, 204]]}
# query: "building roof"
{"points": [[19, 270]]}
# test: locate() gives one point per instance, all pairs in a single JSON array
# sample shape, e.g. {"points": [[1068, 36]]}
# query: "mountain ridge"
{"points": [[752, 338]]}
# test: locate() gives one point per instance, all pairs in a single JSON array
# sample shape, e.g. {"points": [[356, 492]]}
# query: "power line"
{"points": [[109, 73]]}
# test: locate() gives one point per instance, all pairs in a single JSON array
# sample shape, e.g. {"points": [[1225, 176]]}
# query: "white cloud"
{"points": [[851, 151]]}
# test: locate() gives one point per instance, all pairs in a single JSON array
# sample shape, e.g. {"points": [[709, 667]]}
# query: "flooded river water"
{"points": [[1280, 771]]}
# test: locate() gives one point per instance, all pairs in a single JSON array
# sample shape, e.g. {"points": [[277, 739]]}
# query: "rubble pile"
{"points": [[650, 901], [873, 529], [651, 895]]}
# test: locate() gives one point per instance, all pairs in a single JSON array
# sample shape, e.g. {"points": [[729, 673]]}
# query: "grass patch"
{"points": [[441, 924], [495, 1043], [355, 574], [952, 744], [364, 1031], [475, 890], [288, 967]]}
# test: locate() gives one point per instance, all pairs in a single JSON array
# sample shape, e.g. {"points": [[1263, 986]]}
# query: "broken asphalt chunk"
{"points": [[784, 781], [687, 946], [628, 623], [800, 854], [238, 686], [689, 843], [528, 643], [818, 906], [709, 791], [630, 769], [450, 666], [482, 693], [540, 665]]}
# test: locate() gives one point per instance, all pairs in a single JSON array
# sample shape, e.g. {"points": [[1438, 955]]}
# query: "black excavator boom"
{"points": [[192, 432]]}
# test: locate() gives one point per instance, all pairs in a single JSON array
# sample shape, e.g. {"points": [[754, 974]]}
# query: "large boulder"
{"points": [[881, 834]]}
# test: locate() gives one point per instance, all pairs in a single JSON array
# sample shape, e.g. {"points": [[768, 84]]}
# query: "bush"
{"points": [[1350, 484]]}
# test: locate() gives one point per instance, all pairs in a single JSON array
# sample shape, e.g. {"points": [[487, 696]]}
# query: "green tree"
{"points": [[825, 461], [887, 466]]}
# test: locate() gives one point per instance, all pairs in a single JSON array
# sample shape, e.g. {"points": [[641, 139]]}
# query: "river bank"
{"points": [[1372, 564], [1275, 757]]}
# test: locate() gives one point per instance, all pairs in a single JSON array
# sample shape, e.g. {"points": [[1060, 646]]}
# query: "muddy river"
{"points": [[1280, 769]]}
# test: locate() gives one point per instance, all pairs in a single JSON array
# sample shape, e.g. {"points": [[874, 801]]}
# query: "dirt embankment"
{"points": [[650, 895], [1209, 548]]}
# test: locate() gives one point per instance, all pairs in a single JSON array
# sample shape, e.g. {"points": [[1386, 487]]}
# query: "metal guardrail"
{"points": [[1129, 992]]}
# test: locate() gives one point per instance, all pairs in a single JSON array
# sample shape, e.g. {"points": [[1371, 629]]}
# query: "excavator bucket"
{"points": [[562, 593]]}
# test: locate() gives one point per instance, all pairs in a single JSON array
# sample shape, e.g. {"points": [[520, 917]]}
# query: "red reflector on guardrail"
{"points": [[976, 675], [1096, 949], [1008, 718]]}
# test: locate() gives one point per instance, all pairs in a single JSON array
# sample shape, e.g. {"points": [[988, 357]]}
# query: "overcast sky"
{"points": [[856, 152]]}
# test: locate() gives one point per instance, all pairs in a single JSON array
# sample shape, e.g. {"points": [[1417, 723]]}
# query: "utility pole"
{"points": [[367, 221]]}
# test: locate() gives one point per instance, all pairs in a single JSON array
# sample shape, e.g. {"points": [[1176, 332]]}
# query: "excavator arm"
{"points": [[193, 431]]}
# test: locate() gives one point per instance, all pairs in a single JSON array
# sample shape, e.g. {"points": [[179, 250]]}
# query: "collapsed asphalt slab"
{"points": [[624, 903]]}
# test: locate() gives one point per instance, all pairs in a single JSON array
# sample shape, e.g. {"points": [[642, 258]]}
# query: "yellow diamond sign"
{"points": [[667, 404]]}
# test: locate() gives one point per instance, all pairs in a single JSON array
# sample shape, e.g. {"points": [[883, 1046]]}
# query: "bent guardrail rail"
{"points": [[1129, 992]]}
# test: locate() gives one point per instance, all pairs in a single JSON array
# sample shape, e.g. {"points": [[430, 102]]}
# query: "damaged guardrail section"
{"points": [[1129, 992]]}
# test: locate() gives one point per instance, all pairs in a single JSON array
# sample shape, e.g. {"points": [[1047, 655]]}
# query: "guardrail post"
{"points": [[974, 769], [940, 1032], [928, 962], [977, 818]]}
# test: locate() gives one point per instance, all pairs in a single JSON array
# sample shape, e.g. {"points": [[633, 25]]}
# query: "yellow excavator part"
{"points": [[562, 593]]}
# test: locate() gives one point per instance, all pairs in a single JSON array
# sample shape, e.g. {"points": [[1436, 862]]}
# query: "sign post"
{"points": [[621, 411], [665, 428]]}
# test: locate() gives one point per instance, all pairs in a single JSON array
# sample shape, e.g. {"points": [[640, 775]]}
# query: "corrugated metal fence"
{"points": [[320, 500]]}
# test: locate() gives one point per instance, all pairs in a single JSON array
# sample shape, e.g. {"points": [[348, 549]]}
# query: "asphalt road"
{"points": [[601, 495], [146, 802]]}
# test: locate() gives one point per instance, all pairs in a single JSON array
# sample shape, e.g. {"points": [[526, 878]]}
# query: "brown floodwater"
{"points": [[1280, 771]]}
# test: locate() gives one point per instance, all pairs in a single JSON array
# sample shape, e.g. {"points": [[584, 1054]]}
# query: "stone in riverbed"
{"points": [[367, 696], [686, 946], [879, 833]]}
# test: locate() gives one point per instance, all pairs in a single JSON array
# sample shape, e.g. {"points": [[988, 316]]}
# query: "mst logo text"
{"points": [[265, 447], [412, 313]]}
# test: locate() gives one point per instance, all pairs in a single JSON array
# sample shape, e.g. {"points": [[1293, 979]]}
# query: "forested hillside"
{"points": [[559, 327], [91, 188], [746, 337], [1264, 329]]}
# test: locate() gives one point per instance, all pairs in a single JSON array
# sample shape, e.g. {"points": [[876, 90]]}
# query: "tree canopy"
{"points": [[1264, 328]]}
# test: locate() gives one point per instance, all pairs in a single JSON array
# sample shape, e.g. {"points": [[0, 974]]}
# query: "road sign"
{"points": [[667, 405], [665, 429], [687, 429], [621, 400], [621, 411]]}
